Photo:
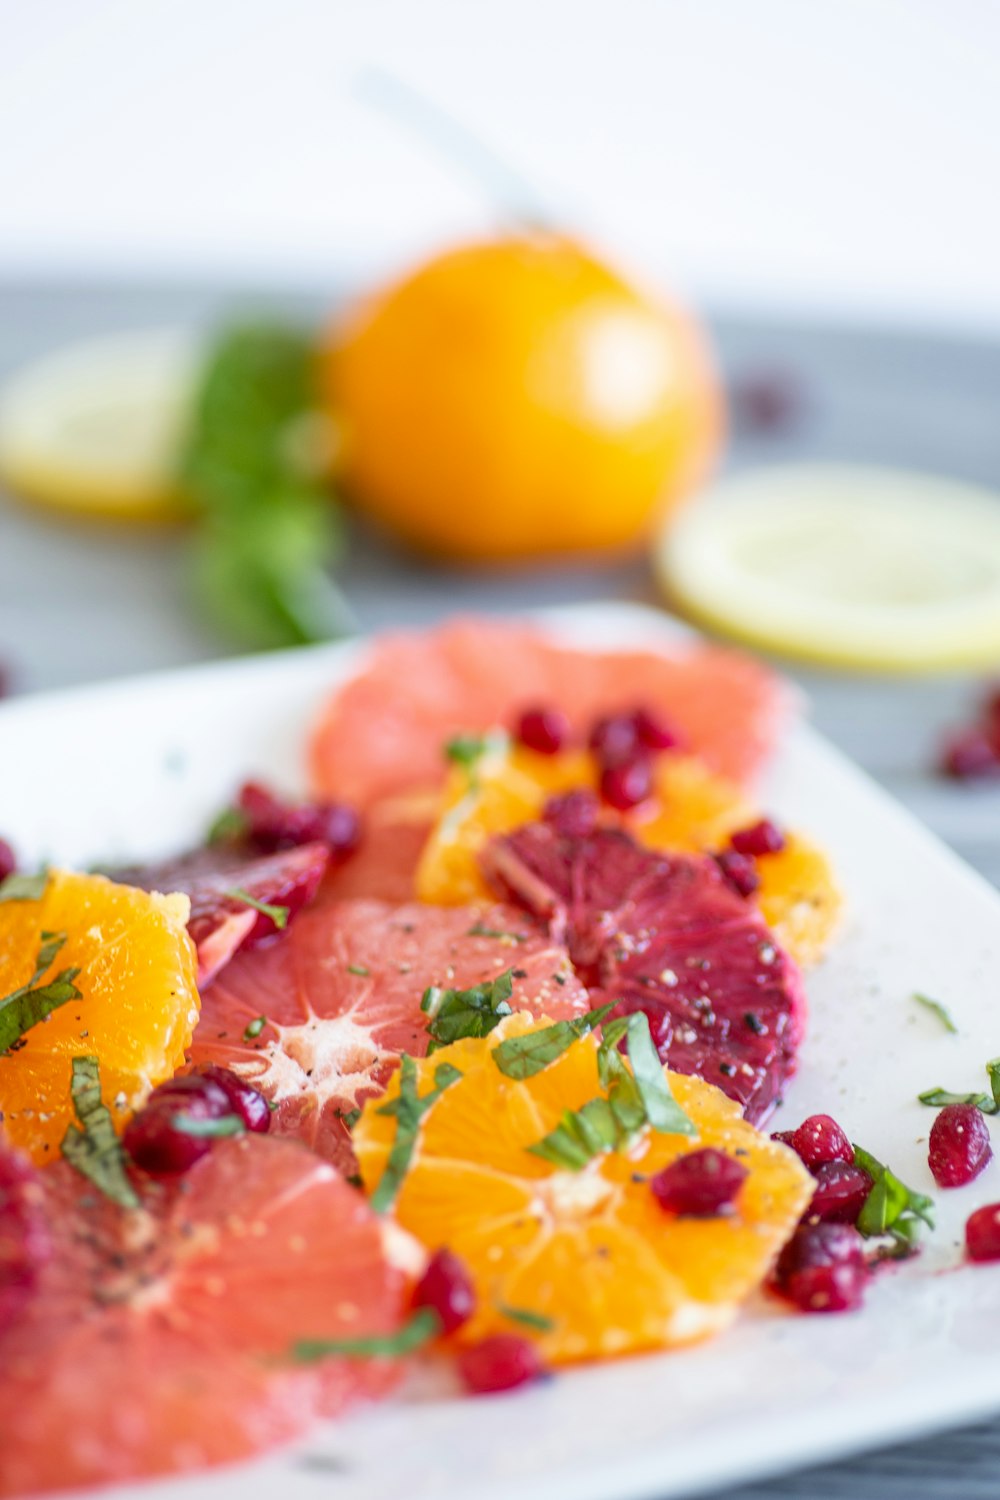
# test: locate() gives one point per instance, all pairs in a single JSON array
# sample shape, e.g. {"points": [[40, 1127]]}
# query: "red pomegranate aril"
{"points": [[25, 1242], [763, 837], [614, 739], [959, 1146], [841, 1190], [738, 871], [573, 815], [446, 1288], [500, 1363], [819, 1139], [702, 1183], [982, 1233], [624, 786], [8, 863], [653, 732], [151, 1137], [970, 755], [244, 1100], [827, 1289], [545, 730]]}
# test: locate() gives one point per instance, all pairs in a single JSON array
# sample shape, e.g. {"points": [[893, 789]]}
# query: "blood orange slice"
{"points": [[318, 1021], [159, 1339], [383, 731]]}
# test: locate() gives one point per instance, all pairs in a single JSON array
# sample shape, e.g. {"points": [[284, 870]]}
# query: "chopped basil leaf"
{"points": [[580, 1135], [663, 1112], [24, 887], [526, 1317], [254, 1028], [351, 1118], [95, 1150], [209, 1130], [409, 1109], [462, 1013], [277, 914], [941, 1011], [24, 1007], [423, 1326], [230, 825], [478, 930], [891, 1207], [988, 1103], [465, 749], [358, 969], [521, 1057]]}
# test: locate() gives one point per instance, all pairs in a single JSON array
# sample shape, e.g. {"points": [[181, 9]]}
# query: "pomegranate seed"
{"points": [[446, 1287], [614, 739], [760, 838], [827, 1289], [653, 732], [244, 1100], [982, 1233], [25, 1244], [151, 1137], [841, 1190], [275, 825], [959, 1145], [573, 815], [543, 729], [8, 864], [970, 755], [625, 785], [500, 1363], [738, 871], [819, 1139], [703, 1183]]}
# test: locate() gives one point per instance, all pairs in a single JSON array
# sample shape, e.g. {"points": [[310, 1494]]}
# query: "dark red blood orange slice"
{"points": [[318, 1021], [220, 922], [384, 730], [667, 935], [159, 1340]]}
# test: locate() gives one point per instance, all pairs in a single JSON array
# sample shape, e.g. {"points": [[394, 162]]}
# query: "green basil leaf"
{"points": [[409, 1109], [209, 1130], [521, 1057], [580, 1135], [474, 1012], [277, 914], [24, 887], [26, 1006], [939, 1010], [93, 1148], [478, 930], [528, 1319], [423, 1326], [230, 825], [359, 970], [937, 1098], [254, 1028], [891, 1207], [663, 1112]]}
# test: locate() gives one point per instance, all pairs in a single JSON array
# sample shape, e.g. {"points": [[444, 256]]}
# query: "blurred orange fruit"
{"points": [[587, 1254], [518, 397], [137, 1008]]}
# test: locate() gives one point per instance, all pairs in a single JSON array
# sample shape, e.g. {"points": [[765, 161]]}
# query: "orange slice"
{"points": [[591, 1258], [136, 1011]]}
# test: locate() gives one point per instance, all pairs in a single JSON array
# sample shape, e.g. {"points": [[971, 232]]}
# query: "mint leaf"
{"points": [[419, 1330], [277, 914], [230, 825], [663, 1113], [456, 1014], [939, 1010], [93, 1148], [23, 1008], [409, 1109], [465, 749], [24, 887], [580, 1135], [891, 1207], [208, 1130], [988, 1103], [521, 1057], [526, 1317], [254, 1028]]}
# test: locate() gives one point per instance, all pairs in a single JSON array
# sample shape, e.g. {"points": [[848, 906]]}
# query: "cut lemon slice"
{"points": [[95, 428], [852, 567]]}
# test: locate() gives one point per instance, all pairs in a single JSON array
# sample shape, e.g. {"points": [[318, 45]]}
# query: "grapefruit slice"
{"points": [[158, 1340], [668, 936], [383, 731], [318, 1022]]}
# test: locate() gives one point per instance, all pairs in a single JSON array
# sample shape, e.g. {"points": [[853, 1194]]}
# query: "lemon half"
{"points": [[854, 567], [95, 428]]}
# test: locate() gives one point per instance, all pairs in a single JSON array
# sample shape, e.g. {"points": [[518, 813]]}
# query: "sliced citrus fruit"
{"points": [[585, 1261], [855, 567], [136, 1009], [95, 429], [384, 865], [159, 1340], [383, 731], [318, 1021]]}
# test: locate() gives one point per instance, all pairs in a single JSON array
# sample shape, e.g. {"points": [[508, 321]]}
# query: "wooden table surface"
{"points": [[78, 604]]}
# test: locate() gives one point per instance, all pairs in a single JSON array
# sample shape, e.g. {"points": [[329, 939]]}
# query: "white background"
{"points": [[840, 155]]}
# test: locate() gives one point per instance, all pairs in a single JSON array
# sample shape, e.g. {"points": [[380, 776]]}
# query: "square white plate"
{"points": [[138, 768]]}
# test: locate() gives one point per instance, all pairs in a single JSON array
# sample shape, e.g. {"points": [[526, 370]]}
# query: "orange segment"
{"points": [[800, 899], [137, 1008], [589, 1250]]}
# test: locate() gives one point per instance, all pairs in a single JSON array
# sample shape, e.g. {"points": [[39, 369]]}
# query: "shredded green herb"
{"points": [[24, 1007], [988, 1103], [522, 1057], [92, 1147], [277, 914], [528, 1319], [209, 1130], [358, 969], [409, 1109], [478, 930], [24, 887], [254, 1028], [892, 1208], [230, 825], [455, 1014], [939, 1010], [351, 1118], [422, 1326]]}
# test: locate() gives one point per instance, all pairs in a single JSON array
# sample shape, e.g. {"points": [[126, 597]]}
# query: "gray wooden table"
{"points": [[79, 603]]}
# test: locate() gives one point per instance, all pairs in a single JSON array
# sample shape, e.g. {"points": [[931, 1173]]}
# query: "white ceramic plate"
{"points": [[138, 768]]}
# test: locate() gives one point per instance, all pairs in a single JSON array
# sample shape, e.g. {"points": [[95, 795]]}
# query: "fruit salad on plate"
{"points": [[463, 1058]]}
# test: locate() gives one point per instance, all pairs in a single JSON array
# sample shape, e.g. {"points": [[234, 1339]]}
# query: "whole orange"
{"points": [[519, 398]]}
